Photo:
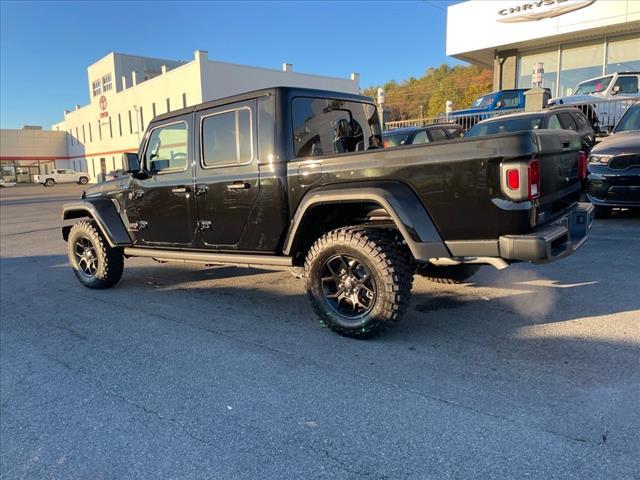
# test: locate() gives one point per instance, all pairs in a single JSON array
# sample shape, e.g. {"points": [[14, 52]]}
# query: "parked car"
{"points": [[62, 175], [114, 174], [425, 134], [614, 166], [224, 182], [6, 183], [554, 118], [603, 99]]}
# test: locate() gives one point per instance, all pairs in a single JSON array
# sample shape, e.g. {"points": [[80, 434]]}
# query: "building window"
{"points": [[71, 137], [577, 63], [106, 83], [153, 110], [97, 88], [99, 130], [184, 100], [120, 124], [77, 136], [130, 124], [110, 129], [84, 139], [168, 105], [528, 60], [141, 126], [90, 134], [226, 138], [623, 54]]}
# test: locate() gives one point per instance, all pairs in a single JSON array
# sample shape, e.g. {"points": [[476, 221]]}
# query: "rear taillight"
{"points": [[582, 165], [533, 179], [513, 179]]}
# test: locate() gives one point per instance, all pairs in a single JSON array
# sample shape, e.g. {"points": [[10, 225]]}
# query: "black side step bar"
{"points": [[211, 258]]}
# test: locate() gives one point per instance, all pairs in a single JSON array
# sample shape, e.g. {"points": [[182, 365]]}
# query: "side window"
{"points": [[167, 148], [627, 84], [581, 120], [227, 138], [567, 122], [510, 100], [421, 137], [324, 126], [455, 132], [554, 123], [437, 134]]}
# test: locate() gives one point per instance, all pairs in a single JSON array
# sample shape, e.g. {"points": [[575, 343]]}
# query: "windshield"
{"points": [[505, 125], [395, 140], [593, 86], [484, 101], [630, 121]]}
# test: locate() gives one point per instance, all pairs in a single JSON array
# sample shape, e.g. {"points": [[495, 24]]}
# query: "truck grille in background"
{"points": [[620, 162]]}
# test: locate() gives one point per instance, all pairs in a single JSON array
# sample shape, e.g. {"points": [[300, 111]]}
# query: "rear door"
{"points": [[227, 177]]}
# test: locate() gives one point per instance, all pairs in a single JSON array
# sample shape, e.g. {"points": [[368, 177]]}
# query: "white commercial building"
{"points": [[128, 91], [573, 39]]}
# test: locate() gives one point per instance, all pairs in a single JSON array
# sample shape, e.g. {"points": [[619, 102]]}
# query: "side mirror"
{"points": [[130, 162], [616, 89], [499, 104]]}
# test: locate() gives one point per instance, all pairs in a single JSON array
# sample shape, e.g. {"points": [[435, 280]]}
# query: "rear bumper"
{"points": [[551, 242]]}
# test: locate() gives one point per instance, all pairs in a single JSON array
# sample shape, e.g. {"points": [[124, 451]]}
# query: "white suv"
{"points": [[62, 175]]}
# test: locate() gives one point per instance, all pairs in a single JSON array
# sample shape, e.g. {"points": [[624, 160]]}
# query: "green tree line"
{"points": [[426, 96]]}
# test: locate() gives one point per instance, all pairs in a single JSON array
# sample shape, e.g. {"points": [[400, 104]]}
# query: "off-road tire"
{"points": [[83, 180], [602, 212], [391, 269], [109, 261], [450, 274], [49, 182]]}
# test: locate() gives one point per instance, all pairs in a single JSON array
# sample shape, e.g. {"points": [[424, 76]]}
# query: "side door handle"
{"points": [[238, 186], [180, 190]]}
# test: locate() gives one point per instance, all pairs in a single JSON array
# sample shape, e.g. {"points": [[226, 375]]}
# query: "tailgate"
{"points": [[560, 184]]}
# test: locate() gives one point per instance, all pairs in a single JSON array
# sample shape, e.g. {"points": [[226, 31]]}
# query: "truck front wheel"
{"points": [[83, 180], [95, 263], [49, 182], [359, 280]]}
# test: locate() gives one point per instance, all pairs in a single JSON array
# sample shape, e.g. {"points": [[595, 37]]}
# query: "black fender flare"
{"points": [[400, 202], [105, 214]]}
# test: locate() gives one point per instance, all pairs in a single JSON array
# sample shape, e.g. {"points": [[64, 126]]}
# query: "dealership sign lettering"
{"points": [[539, 9]]}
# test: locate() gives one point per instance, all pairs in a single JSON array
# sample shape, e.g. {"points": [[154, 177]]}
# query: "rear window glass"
{"points": [[437, 135], [505, 125], [395, 140], [324, 126]]}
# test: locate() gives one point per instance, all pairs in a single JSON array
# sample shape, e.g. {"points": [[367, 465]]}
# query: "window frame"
{"points": [[96, 91], [146, 146], [201, 140], [107, 81]]}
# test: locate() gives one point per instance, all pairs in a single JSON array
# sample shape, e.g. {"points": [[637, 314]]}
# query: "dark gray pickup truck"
{"points": [[296, 178]]}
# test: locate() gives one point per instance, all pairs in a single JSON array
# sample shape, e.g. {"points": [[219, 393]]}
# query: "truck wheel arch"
{"points": [[396, 199], [104, 213]]}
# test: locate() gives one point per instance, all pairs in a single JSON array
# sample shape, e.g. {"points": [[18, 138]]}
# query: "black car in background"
{"points": [[613, 179], [425, 134], [554, 118]]}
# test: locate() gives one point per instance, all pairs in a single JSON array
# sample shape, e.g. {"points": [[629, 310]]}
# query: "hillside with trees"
{"points": [[426, 96]]}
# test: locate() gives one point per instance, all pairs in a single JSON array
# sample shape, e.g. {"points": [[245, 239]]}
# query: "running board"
{"points": [[236, 259]]}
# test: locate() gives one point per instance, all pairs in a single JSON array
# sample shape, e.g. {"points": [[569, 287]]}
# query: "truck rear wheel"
{"points": [[359, 281], [450, 274], [49, 182], [83, 180], [95, 263]]}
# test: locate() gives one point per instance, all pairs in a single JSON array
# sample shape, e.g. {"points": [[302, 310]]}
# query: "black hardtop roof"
{"points": [[291, 91], [422, 127]]}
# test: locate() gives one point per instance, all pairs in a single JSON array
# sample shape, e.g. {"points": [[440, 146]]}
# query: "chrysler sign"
{"points": [[539, 9]]}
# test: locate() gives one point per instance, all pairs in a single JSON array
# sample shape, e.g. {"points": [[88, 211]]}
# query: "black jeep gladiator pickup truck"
{"points": [[295, 178]]}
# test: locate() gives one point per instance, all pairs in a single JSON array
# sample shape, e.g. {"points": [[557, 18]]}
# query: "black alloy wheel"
{"points": [[86, 257], [349, 287]]}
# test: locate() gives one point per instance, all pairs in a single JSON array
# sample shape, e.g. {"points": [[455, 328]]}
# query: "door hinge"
{"points": [[201, 189], [204, 225], [136, 194], [137, 226]]}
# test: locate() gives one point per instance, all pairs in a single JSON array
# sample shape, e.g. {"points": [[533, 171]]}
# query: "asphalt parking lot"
{"points": [[223, 373]]}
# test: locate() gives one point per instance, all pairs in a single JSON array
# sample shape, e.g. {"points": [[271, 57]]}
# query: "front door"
{"points": [[227, 178], [161, 207]]}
